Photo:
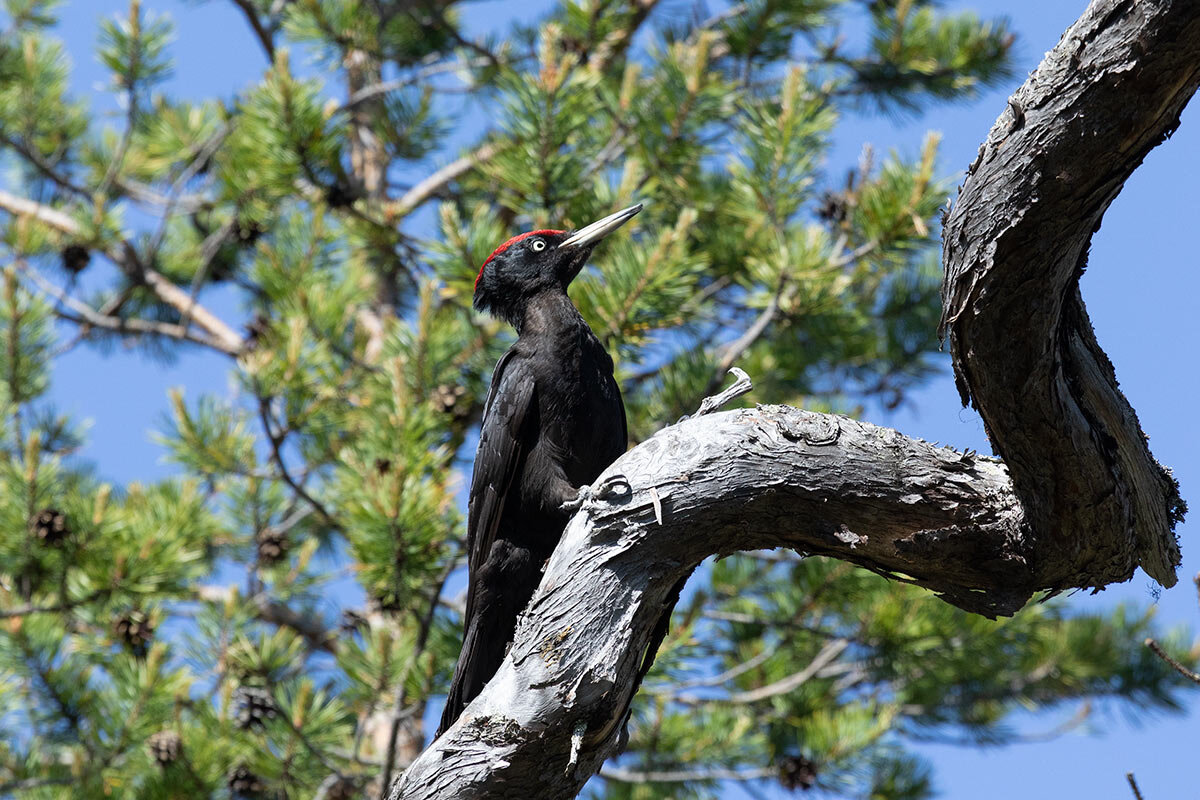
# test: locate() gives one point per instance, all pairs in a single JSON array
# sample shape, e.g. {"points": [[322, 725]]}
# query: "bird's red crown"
{"points": [[509, 244]]}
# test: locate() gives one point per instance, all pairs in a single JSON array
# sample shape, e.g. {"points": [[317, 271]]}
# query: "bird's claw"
{"points": [[590, 495]]}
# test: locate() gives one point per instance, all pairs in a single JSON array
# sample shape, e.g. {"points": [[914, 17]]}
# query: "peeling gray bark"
{"points": [[1086, 503], [1014, 247]]}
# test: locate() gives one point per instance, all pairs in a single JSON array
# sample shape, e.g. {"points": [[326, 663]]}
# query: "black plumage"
{"points": [[553, 421]]}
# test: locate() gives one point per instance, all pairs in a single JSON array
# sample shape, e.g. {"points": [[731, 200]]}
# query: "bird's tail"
{"points": [[660, 630], [470, 673]]}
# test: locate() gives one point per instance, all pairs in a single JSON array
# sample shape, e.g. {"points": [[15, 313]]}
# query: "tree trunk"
{"points": [[1085, 506]]}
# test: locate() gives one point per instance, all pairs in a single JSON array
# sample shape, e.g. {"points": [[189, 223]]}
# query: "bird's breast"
{"points": [[580, 411]]}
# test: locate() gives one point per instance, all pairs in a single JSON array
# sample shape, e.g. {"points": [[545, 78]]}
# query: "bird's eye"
{"points": [[538, 245]]}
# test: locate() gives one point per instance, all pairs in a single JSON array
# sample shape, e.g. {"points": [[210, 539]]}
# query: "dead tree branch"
{"points": [[1014, 247]]}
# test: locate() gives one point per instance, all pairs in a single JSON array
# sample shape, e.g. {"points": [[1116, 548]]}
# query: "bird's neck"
{"points": [[549, 313]]}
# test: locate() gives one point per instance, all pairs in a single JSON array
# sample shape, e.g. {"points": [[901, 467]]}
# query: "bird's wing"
{"points": [[624, 419], [498, 459]]}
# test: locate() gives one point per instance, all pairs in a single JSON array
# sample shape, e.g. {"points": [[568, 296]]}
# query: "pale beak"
{"points": [[593, 233]]}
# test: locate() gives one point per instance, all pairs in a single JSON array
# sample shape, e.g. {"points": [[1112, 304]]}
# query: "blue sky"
{"points": [[1140, 288]]}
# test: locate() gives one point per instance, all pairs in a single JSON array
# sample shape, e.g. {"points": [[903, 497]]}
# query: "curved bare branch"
{"points": [[1015, 246]]}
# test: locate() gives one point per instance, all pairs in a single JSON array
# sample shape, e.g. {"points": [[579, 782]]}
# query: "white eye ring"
{"points": [[538, 245]]}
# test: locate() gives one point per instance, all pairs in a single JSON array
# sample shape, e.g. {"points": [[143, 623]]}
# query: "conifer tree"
{"points": [[195, 637]]}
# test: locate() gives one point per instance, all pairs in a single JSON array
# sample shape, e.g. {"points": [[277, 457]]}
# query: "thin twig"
{"points": [[85, 316], [1156, 648], [276, 613], [716, 680], [118, 158], [276, 441], [438, 18], [374, 90], [715, 20], [684, 775], [738, 388], [854, 255], [430, 186], [66, 605], [1137, 793], [203, 154], [614, 45], [733, 351], [264, 36], [44, 167], [827, 654], [208, 251]]}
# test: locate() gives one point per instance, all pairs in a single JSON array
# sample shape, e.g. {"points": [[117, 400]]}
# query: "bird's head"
{"points": [[538, 261]]}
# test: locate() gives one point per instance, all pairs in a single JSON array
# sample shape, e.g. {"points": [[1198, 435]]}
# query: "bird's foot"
{"points": [[608, 488]]}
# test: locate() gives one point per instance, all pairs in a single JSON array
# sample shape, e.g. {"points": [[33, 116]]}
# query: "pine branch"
{"points": [[1157, 649], [55, 608], [715, 680], [608, 51], [622, 775], [43, 166], [197, 162], [264, 36], [437, 19], [827, 654], [124, 255], [276, 440], [277, 613], [427, 188], [29, 784], [208, 251], [85, 316], [371, 91]]}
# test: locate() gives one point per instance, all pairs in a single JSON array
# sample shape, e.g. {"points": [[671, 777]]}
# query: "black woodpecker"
{"points": [[552, 423]]}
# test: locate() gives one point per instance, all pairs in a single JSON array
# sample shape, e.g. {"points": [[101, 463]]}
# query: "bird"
{"points": [[552, 422]]}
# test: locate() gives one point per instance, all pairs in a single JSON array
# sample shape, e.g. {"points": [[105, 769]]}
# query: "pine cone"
{"points": [[75, 258], [353, 621], [446, 399], [797, 772], [341, 196], [341, 787], [254, 707], [49, 526], [248, 231], [383, 465], [244, 784], [165, 747], [135, 630], [833, 208], [386, 601], [272, 546], [254, 331]]}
